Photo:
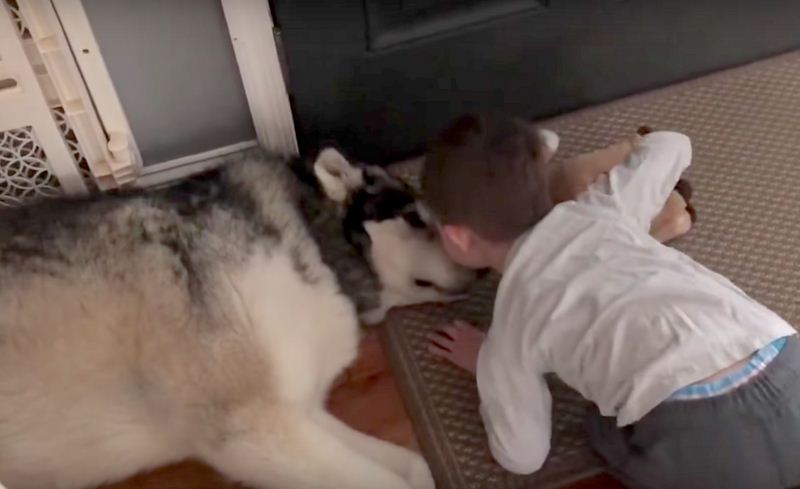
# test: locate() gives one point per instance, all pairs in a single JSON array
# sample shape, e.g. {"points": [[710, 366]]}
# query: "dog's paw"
{"points": [[419, 476]]}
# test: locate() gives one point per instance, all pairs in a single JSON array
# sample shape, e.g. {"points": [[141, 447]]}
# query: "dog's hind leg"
{"points": [[266, 449], [399, 460]]}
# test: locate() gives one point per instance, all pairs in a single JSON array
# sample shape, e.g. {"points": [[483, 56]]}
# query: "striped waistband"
{"points": [[758, 362]]}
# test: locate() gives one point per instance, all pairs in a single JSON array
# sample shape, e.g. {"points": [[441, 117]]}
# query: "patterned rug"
{"points": [[745, 128]]}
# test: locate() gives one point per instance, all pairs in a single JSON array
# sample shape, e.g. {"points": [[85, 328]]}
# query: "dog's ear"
{"points": [[337, 177]]}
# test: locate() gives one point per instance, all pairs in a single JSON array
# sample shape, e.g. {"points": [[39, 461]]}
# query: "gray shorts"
{"points": [[748, 438]]}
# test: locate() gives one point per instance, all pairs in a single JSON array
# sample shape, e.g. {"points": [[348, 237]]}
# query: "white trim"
{"points": [[185, 166], [199, 157], [251, 29], [78, 31]]}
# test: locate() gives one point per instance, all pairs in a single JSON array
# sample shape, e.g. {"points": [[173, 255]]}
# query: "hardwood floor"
{"points": [[366, 397]]}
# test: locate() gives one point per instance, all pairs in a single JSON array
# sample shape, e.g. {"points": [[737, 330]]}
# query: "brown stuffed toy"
{"points": [[573, 176]]}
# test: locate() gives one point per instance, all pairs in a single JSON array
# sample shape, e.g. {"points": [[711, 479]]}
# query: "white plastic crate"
{"points": [[52, 140]]}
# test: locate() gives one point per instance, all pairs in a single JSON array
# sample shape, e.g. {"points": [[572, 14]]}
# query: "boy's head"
{"points": [[485, 182]]}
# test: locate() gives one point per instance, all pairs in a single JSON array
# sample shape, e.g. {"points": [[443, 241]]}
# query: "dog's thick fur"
{"points": [[198, 321]]}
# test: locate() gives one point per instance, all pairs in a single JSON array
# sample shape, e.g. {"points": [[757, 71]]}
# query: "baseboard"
{"points": [[169, 171]]}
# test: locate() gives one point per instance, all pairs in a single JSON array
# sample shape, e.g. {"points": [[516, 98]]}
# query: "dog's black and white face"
{"points": [[385, 221]]}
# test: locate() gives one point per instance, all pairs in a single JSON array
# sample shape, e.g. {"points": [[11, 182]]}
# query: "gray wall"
{"points": [[174, 70]]}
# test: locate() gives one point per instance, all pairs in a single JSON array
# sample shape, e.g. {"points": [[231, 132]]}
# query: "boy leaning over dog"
{"points": [[696, 385]]}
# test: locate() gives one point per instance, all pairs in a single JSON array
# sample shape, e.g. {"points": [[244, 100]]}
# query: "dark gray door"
{"points": [[380, 76]]}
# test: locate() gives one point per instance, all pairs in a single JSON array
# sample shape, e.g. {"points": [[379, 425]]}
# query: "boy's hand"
{"points": [[459, 343]]}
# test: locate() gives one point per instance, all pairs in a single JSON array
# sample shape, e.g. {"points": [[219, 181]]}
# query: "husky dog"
{"points": [[202, 321]]}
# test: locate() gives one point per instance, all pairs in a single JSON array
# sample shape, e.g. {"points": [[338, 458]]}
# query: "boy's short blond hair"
{"points": [[487, 172]]}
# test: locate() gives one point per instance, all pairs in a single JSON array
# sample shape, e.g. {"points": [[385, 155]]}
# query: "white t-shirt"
{"points": [[589, 295]]}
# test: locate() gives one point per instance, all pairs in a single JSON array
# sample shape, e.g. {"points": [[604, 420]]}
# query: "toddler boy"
{"points": [[695, 383]]}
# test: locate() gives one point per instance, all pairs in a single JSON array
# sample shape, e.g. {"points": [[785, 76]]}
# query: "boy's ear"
{"points": [[336, 175], [459, 236]]}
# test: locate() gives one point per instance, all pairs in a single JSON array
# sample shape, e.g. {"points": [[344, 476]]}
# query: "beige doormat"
{"points": [[745, 128]]}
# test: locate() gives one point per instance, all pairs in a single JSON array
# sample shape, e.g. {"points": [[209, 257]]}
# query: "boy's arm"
{"points": [[640, 186], [516, 410], [574, 176]]}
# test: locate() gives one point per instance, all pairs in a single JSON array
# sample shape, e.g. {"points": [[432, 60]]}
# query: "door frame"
{"points": [[255, 45]]}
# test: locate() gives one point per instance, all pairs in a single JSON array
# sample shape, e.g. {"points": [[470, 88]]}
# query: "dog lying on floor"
{"points": [[203, 321]]}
